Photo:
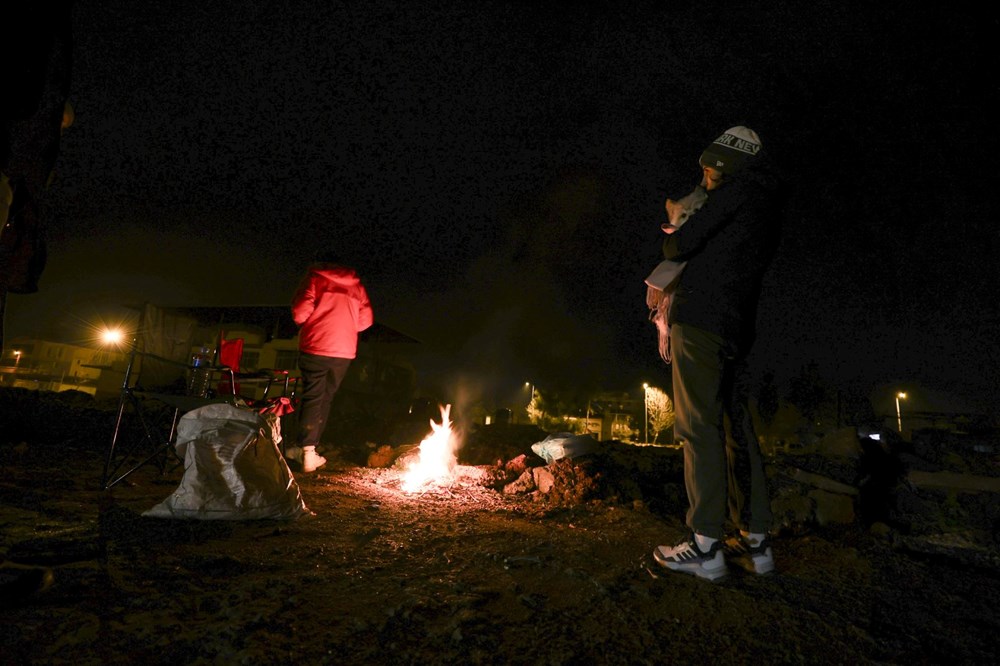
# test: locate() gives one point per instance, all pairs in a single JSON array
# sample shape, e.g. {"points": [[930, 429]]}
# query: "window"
{"points": [[286, 359], [250, 361]]}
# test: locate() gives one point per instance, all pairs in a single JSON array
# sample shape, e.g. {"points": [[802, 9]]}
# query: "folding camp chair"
{"points": [[281, 402], [229, 356], [161, 379]]}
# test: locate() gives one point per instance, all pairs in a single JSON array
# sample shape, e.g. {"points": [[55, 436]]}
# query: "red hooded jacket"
{"points": [[331, 307]]}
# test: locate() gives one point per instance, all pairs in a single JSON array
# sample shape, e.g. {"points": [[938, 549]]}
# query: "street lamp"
{"points": [[17, 359], [531, 397], [899, 415], [645, 413], [112, 336]]}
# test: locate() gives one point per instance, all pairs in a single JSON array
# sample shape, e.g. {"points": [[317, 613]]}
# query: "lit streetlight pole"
{"points": [[645, 413], [899, 415], [17, 359]]}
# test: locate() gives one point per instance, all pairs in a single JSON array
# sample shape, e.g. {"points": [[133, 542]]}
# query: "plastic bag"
{"points": [[564, 445], [233, 469]]}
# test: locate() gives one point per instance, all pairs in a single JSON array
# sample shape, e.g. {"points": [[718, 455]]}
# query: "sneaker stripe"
{"points": [[688, 558]]}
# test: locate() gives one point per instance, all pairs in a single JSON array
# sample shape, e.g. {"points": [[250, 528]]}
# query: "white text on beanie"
{"points": [[729, 152]]}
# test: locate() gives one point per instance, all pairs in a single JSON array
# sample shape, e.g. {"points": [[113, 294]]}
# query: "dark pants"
{"points": [[717, 470], [321, 377], [745, 461]]}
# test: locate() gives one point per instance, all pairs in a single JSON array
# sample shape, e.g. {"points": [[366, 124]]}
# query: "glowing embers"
{"points": [[436, 460]]}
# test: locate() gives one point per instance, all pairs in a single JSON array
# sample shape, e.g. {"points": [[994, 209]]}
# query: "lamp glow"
{"points": [[112, 336]]}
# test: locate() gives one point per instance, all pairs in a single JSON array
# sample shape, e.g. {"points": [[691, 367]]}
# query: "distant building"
{"points": [[381, 379], [55, 366], [617, 415], [606, 416]]}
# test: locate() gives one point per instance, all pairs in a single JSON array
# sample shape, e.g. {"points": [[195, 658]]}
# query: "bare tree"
{"points": [[659, 411]]}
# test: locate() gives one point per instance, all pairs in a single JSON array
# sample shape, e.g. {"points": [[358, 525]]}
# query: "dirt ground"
{"points": [[463, 575]]}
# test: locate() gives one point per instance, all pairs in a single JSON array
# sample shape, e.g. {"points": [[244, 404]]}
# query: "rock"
{"points": [[954, 481], [968, 547], [838, 468], [516, 466], [880, 529], [822, 482], [524, 484], [499, 475], [832, 508], [383, 456], [973, 441], [910, 461], [543, 478], [791, 510], [573, 483], [842, 443]]}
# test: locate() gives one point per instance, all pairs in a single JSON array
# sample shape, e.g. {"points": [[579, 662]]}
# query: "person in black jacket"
{"points": [[727, 246]]}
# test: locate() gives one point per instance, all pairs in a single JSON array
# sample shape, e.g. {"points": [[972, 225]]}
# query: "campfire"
{"points": [[435, 462]]}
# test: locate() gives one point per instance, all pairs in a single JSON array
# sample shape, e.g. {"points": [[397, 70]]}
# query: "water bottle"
{"points": [[199, 374]]}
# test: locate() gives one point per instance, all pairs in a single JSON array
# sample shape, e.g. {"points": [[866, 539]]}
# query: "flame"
{"points": [[436, 458]]}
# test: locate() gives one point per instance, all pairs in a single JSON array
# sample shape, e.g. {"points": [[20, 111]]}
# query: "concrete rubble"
{"points": [[945, 507]]}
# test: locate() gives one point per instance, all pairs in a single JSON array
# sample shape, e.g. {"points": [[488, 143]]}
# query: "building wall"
{"points": [[55, 366], [380, 379]]}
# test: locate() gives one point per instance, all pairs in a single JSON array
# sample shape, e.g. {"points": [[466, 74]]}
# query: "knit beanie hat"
{"points": [[730, 151]]}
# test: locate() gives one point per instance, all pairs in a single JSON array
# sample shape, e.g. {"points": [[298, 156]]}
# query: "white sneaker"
{"points": [[687, 557], [293, 453], [311, 461]]}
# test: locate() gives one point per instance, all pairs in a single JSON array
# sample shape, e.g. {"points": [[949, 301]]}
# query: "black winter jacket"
{"points": [[728, 245]]}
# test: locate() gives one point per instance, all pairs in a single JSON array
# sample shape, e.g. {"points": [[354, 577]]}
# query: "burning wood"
{"points": [[436, 460]]}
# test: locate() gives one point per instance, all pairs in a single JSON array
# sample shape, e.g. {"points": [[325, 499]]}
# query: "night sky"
{"points": [[497, 171]]}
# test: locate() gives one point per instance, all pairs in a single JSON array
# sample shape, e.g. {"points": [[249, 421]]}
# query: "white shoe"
{"points": [[293, 453], [311, 461], [687, 557]]}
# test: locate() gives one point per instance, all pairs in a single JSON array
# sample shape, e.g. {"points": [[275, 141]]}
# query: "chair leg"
{"points": [[157, 451]]}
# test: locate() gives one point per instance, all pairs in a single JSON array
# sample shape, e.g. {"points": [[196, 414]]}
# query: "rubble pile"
{"points": [[841, 480], [614, 473], [946, 503]]}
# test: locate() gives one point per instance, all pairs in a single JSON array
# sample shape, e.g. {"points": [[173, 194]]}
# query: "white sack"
{"points": [[564, 445], [233, 469]]}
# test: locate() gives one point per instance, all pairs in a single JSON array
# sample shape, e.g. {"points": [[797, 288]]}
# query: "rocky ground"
{"points": [[468, 573]]}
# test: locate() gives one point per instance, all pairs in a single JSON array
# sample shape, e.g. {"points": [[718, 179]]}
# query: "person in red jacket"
{"points": [[330, 307]]}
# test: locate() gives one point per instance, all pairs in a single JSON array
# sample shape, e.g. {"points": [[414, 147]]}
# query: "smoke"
{"points": [[521, 312]]}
